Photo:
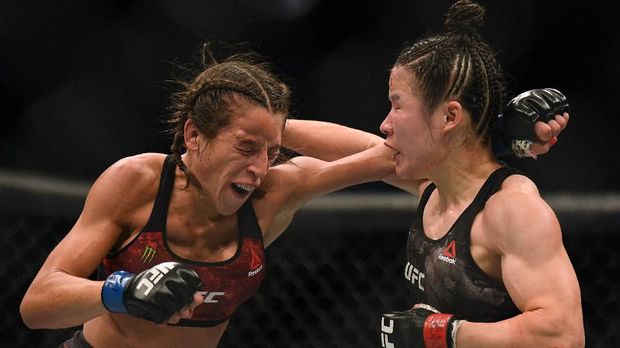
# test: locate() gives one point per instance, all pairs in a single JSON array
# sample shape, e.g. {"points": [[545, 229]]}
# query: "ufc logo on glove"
{"points": [[386, 329], [421, 327], [156, 273]]}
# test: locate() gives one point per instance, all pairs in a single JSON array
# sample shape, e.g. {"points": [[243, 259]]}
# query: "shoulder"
{"points": [[517, 192], [517, 216], [283, 180], [289, 185], [134, 174], [128, 182], [296, 170], [134, 167]]}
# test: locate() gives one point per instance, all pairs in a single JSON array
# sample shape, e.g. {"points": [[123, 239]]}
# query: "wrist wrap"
{"points": [[437, 331], [113, 291]]}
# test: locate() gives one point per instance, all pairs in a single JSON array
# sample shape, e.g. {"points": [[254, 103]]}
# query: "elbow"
{"points": [[548, 328], [574, 333], [570, 333], [33, 313], [28, 315], [572, 340], [580, 341], [577, 337]]}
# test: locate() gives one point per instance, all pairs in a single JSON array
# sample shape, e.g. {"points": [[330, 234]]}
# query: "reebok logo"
{"points": [[255, 271], [256, 265], [450, 250], [449, 253]]}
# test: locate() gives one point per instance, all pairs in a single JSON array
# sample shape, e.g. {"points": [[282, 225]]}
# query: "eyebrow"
{"points": [[252, 143], [393, 97], [243, 140]]}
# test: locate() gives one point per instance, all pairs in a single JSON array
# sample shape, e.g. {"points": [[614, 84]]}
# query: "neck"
{"points": [[197, 200], [463, 173]]}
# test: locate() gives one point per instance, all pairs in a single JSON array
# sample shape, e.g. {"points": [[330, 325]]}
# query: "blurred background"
{"points": [[85, 83]]}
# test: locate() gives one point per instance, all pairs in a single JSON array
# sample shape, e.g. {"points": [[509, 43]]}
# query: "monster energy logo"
{"points": [[148, 255]]}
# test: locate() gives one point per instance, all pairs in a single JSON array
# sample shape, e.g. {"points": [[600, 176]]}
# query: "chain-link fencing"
{"points": [[329, 277]]}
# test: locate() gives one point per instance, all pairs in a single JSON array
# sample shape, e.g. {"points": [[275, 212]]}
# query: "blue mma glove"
{"points": [[155, 294]]}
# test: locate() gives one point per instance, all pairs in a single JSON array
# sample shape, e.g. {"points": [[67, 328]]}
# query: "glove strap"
{"points": [[113, 290], [436, 329], [454, 327]]}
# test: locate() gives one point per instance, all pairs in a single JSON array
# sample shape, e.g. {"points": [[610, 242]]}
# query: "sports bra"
{"points": [[226, 284], [443, 273]]}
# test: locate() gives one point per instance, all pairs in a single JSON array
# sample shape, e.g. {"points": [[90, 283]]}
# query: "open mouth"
{"points": [[243, 188]]}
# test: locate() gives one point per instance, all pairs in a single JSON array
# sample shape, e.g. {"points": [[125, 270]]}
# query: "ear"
{"points": [[453, 115], [191, 134]]}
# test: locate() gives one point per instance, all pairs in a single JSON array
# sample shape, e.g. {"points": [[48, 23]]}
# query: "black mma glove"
{"points": [[421, 327], [155, 294], [516, 124]]}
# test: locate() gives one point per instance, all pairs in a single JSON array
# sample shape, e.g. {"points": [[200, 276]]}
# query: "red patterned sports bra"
{"points": [[226, 284]]}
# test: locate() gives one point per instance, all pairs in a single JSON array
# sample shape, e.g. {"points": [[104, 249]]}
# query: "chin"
{"points": [[401, 172], [229, 211], [406, 173], [229, 208]]}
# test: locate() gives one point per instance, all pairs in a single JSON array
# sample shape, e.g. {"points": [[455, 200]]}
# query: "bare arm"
{"points": [[537, 273], [325, 140], [330, 141], [61, 295], [291, 185]]}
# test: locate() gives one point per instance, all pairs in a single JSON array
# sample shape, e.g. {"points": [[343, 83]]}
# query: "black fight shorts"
{"points": [[77, 341]]}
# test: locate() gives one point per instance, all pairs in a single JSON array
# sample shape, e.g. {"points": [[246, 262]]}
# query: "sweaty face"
{"points": [[233, 164], [409, 128]]}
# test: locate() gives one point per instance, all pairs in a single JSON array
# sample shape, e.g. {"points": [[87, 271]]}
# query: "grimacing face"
{"points": [[234, 163], [410, 130]]}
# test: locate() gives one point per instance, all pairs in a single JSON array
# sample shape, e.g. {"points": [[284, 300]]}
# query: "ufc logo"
{"points": [[386, 329], [412, 274], [156, 273], [209, 297]]}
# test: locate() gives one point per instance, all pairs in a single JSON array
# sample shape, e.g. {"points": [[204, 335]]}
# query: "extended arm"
{"points": [[325, 140], [532, 119], [330, 141], [289, 186]]}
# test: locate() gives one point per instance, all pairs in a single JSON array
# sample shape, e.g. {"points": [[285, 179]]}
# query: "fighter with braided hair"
{"points": [[485, 265], [180, 237]]}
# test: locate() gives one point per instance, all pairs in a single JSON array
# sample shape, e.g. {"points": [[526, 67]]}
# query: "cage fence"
{"points": [[330, 276]]}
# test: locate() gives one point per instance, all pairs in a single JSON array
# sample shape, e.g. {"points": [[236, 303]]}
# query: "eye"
{"points": [[245, 150]]}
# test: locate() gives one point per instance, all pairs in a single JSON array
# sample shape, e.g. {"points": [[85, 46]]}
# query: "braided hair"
{"points": [[209, 98], [460, 65]]}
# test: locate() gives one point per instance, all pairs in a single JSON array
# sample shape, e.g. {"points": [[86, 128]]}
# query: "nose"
{"points": [[386, 126], [259, 165]]}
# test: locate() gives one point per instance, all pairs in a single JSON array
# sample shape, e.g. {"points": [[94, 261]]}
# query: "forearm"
{"points": [[529, 329], [326, 141], [60, 300]]}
